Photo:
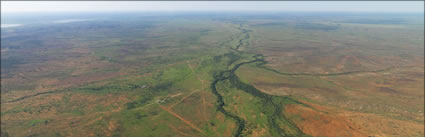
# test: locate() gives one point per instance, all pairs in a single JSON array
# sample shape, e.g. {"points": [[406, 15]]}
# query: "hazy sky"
{"points": [[363, 6]]}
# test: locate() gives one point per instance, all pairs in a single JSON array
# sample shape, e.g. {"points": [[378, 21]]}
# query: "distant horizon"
{"points": [[214, 6], [19, 16], [16, 19], [201, 11], [206, 12]]}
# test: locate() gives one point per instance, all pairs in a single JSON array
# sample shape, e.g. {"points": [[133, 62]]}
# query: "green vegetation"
{"points": [[189, 75]]}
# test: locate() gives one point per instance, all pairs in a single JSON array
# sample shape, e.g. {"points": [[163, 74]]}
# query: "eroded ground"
{"points": [[186, 75]]}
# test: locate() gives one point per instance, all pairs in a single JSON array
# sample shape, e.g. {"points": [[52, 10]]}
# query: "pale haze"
{"points": [[99, 6]]}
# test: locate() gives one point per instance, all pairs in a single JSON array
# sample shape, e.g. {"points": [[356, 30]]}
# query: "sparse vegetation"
{"points": [[187, 75]]}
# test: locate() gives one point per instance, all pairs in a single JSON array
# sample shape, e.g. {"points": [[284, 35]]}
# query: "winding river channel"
{"points": [[267, 99]]}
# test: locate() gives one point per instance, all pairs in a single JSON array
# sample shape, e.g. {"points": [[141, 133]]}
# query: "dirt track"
{"points": [[182, 119]]}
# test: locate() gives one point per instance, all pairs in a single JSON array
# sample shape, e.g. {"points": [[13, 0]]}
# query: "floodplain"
{"points": [[214, 74]]}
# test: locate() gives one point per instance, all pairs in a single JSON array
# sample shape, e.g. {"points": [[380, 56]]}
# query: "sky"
{"points": [[101, 6]]}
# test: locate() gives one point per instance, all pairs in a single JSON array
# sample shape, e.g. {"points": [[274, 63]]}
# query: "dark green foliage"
{"points": [[107, 88], [140, 102], [232, 58], [140, 116], [271, 105], [162, 86], [155, 55], [4, 134]]}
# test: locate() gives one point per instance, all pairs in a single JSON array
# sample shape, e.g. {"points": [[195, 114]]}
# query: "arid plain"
{"points": [[215, 74]]}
